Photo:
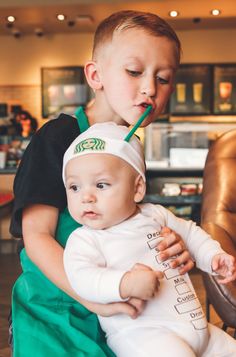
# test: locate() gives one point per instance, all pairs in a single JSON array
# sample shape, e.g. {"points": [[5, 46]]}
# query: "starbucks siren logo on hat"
{"points": [[90, 144]]}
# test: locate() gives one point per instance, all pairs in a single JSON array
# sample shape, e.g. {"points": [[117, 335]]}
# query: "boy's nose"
{"points": [[149, 87]]}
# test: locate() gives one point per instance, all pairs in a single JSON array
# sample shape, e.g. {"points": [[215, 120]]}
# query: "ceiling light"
{"points": [[61, 17], [215, 12], [11, 18], [173, 13]]}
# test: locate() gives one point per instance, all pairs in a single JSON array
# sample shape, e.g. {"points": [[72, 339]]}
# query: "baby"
{"points": [[113, 257]]}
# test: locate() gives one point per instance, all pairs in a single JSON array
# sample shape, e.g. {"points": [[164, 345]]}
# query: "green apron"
{"points": [[46, 321]]}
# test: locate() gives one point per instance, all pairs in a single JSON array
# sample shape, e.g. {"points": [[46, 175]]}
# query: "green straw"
{"points": [[139, 122]]}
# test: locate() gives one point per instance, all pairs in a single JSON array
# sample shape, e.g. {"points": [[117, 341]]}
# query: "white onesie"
{"points": [[173, 323]]}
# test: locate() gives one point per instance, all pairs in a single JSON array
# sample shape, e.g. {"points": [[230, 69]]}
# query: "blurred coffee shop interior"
{"points": [[44, 45]]}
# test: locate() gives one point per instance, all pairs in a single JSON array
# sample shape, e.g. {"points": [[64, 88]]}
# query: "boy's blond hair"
{"points": [[128, 19]]}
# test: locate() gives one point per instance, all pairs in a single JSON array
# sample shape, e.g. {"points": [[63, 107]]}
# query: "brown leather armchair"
{"points": [[218, 218]]}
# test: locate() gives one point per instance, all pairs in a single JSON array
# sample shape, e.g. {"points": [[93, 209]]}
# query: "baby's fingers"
{"points": [[224, 280], [229, 276], [215, 265], [224, 264]]}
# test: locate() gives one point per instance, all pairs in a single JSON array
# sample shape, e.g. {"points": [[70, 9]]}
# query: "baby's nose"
{"points": [[88, 197]]}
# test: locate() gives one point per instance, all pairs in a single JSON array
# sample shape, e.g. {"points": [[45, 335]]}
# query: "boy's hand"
{"points": [[141, 282], [173, 245], [138, 306], [132, 307], [224, 265]]}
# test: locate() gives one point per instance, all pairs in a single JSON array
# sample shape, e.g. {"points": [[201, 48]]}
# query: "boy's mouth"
{"points": [[146, 105]]}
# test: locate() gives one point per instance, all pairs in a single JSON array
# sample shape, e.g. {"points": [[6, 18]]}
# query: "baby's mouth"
{"points": [[90, 214]]}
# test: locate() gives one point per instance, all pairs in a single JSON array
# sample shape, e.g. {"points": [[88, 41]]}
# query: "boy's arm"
{"points": [[39, 225]]}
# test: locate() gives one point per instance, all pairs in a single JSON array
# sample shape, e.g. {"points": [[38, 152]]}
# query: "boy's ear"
{"points": [[92, 75], [140, 189]]}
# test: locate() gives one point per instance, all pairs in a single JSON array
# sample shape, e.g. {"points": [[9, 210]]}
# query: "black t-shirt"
{"points": [[39, 176]]}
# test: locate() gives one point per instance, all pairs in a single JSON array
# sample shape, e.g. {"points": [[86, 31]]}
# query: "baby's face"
{"points": [[136, 69], [100, 190]]}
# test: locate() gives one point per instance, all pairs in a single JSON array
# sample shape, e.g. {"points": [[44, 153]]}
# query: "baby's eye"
{"points": [[102, 185], [133, 73], [74, 188], [162, 80]]}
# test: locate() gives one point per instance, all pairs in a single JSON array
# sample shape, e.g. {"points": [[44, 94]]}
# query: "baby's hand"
{"points": [[224, 265], [141, 282]]}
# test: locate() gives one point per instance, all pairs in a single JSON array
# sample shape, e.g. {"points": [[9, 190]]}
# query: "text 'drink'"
{"points": [[187, 306]]}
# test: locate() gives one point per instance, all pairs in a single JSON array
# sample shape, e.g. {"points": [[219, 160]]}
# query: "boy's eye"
{"points": [[162, 80], [74, 188], [133, 73], [102, 185]]}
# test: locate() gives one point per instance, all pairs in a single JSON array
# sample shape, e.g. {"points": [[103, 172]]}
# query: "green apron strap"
{"points": [[82, 119], [66, 223]]}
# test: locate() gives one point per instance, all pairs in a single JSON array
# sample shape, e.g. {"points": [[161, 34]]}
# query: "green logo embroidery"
{"points": [[90, 144]]}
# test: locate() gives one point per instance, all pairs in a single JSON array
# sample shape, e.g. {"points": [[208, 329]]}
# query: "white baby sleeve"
{"points": [[199, 243], [86, 270]]}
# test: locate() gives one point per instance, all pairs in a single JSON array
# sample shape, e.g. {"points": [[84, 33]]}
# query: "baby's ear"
{"points": [[140, 189], [92, 75]]}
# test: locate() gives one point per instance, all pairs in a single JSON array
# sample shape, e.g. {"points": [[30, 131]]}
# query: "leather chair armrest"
{"points": [[218, 233], [223, 297]]}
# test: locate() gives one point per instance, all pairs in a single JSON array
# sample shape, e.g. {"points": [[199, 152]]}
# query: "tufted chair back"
{"points": [[218, 218]]}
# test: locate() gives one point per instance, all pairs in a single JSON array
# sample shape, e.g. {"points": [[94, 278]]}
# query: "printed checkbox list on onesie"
{"points": [[187, 302]]}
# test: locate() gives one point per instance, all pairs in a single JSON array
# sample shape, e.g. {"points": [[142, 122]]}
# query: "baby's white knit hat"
{"points": [[107, 138]]}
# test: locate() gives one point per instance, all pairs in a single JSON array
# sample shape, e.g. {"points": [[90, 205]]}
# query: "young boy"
{"points": [[135, 57], [113, 256]]}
